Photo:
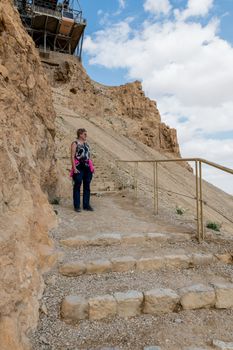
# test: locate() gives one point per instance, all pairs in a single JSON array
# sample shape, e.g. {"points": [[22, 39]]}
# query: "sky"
{"points": [[182, 52]]}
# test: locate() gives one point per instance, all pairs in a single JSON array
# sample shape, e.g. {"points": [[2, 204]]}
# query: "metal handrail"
{"points": [[198, 176]]}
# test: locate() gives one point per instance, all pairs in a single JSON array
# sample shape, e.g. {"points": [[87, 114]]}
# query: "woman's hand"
{"points": [[72, 154]]}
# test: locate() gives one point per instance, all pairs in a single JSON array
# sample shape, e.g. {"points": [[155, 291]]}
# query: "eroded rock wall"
{"points": [[124, 108], [27, 174]]}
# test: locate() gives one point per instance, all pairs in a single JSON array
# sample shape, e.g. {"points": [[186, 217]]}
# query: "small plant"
{"points": [[55, 201], [180, 210], [213, 226]]}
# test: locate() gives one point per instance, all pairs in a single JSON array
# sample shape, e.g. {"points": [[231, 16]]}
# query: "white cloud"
{"points": [[99, 12], [186, 67], [122, 4], [195, 8], [217, 151], [157, 7]]}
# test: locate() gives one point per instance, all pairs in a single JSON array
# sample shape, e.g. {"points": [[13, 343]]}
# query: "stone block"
{"points": [[160, 300], [150, 263], [221, 345], [102, 307], [202, 259], [73, 242], [161, 237], [155, 236], [74, 308], [181, 260], [133, 239], [72, 269], [224, 295], [123, 264], [98, 266], [225, 258], [196, 297], [129, 304], [106, 239], [195, 348]]}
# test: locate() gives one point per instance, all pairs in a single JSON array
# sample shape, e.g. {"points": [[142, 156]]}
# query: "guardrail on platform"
{"points": [[198, 177]]}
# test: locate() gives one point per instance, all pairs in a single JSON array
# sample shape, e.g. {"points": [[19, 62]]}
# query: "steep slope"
{"points": [[27, 173], [178, 181], [125, 109], [123, 124]]}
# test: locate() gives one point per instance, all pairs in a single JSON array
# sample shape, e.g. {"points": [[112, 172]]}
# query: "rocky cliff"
{"points": [[124, 108], [27, 159], [27, 176]]}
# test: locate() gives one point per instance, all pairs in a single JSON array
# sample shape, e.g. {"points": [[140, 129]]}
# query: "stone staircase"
{"points": [[127, 281], [104, 174]]}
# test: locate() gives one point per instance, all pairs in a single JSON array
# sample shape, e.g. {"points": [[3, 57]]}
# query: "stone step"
{"points": [[117, 238], [221, 345], [157, 301], [102, 193], [95, 189], [103, 186], [216, 344], [129, 263]]}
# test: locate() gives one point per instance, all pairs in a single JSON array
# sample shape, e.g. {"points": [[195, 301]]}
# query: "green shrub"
{"points": [[180, 210], [213, 226]]}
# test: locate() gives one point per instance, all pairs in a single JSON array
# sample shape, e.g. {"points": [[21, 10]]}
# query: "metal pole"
{"points": [[45, 44], [154, 183], [157, 189], [201, 201], [197, 202], [136, 179], [81, 48]]}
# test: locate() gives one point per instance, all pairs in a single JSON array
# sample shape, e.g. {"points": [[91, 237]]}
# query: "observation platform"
{"points": [[53, 25]]}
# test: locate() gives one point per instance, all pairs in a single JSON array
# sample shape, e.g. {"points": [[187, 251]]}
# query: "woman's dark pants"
{"points": [[85, 176]]}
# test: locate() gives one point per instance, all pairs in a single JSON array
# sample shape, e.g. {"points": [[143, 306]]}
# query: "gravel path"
{"points": [[172, 331]]}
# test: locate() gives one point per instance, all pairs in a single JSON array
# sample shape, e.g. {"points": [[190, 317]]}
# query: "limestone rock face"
{"points": [[26, 173], [124, 108]]}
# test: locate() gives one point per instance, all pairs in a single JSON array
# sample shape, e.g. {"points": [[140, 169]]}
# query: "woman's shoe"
{"points": [[89, 208]]}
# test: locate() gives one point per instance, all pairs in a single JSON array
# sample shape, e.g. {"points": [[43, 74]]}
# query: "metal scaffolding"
{"points": [[54, 25]]}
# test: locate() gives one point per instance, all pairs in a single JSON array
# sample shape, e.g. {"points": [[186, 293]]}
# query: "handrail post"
{"points": [[155, 174], [197, 202], [199, 186], [157, 189], [201, 201], [136, 179]]}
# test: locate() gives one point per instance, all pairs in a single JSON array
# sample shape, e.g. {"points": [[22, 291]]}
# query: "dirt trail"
{"points": [[121, 214], [173, 331]]}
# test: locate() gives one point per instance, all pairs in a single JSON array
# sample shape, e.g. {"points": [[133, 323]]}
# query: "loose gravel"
{"points": [[172, 331]]}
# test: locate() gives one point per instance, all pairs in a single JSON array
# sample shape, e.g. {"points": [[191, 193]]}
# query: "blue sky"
{"points": [[222, 9], [182, 52]]}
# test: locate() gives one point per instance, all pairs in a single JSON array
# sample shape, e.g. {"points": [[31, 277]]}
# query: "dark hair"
{"points": [[80, 131]]}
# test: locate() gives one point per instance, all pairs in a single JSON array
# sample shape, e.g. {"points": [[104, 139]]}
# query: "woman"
{"points": [[82, 170]]}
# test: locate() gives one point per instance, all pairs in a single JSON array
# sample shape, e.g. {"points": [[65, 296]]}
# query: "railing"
{"points": [[50, 8], [198, 178], [46, 11]]}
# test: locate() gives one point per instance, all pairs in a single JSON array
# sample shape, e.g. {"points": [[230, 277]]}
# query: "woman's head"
{"points": [[82, 134]]}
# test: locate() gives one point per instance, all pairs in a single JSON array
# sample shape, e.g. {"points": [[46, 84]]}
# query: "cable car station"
{"points": [[54, 25]]}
